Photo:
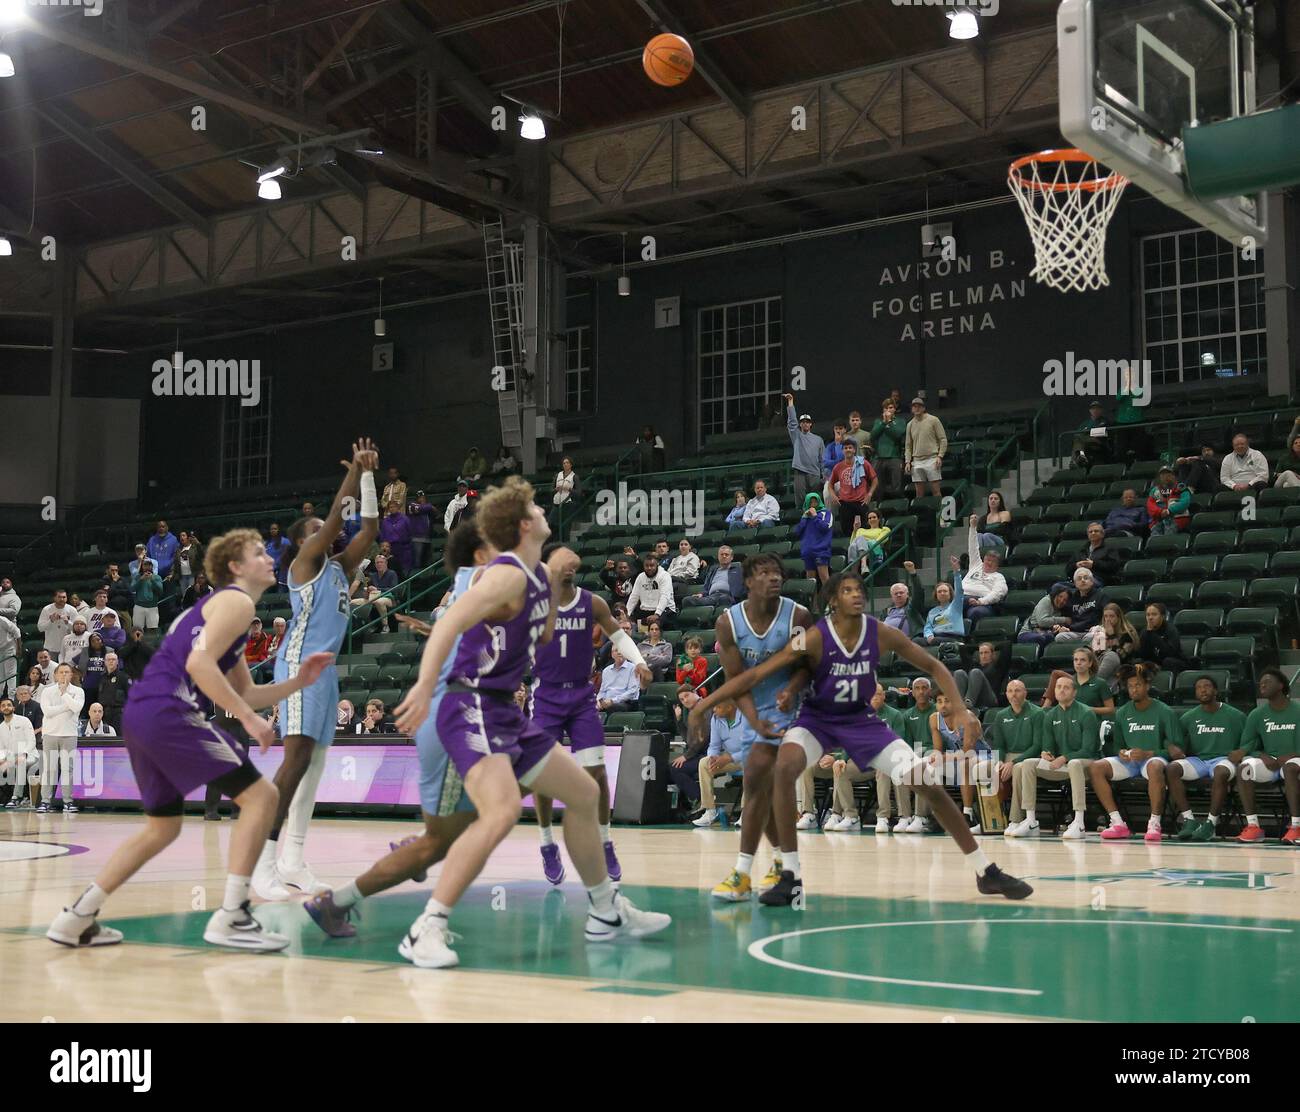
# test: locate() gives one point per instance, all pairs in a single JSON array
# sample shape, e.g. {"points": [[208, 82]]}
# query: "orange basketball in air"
{"points": [[668, 59]]}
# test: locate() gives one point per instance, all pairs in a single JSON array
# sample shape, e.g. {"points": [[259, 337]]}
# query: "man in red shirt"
{"points": [[853, 482], [258, 643]]}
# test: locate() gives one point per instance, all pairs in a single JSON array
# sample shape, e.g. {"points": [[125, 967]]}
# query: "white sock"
{"points": [[436, 909], [604, 833], [90, 901], [348, 896], [1078, 818], [1252, 820], [1213, 820], [1153, 823], [1186, 816], [790, 863], [294, 832], [267, 856], [976, 857], [602, 897], [1029, 816], [1295, 820], [1115, 820], [969, 812], [236, 892], [776, 859], [548, 835], [744, 863]]}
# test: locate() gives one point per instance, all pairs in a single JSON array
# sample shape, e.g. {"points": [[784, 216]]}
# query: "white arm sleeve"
{"points": [[622, 641], [369, 500]]}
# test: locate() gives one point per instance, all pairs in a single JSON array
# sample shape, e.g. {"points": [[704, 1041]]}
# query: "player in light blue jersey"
{"points": [[446, 808], [748, 633], [318, 588]]}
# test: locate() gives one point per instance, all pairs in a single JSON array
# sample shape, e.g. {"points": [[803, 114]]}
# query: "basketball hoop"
{"points": [[1068, 200]]}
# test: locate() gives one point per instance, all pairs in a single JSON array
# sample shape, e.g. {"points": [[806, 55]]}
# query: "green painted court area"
{"points": [[1018, 960]]}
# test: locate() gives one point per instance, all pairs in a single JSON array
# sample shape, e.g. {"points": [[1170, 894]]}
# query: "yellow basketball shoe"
{"points": [[773, 875], [735, 888]]}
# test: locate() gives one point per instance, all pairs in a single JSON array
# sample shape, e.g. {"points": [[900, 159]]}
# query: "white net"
{"points": [[1068, 200]]}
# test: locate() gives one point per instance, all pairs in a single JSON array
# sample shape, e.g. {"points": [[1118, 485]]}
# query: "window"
{"points": [[579, 392], [246, 440], [1202, 308], [740, 364]]}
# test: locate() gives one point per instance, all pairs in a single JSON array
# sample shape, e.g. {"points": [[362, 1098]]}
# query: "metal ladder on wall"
{"points": [[505, 273]]}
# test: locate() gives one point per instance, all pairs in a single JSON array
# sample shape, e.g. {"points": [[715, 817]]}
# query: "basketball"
{"points": [[668, 59]]}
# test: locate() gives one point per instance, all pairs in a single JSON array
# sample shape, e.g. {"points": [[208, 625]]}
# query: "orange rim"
{"points": [[1092, 185]]}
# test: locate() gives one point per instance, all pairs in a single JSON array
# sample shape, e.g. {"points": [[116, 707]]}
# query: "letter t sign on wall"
{"points": [[668, 312]]}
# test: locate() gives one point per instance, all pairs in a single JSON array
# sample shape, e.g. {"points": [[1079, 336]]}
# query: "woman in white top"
{"points": [[61, 703], [566, 482]]}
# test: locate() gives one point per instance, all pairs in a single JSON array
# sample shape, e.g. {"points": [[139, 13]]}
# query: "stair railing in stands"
{"points": [[401, 604]]}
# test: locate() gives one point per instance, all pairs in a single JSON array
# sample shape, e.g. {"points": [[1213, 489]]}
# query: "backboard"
{"points": [[1134, 73]]}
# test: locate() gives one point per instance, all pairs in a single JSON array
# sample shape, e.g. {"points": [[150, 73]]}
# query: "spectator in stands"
{"points": [[1097, 556], [888, 437], [11, 647], [692, 664], [55, 622], [74, 642], [456, 506], [946, 620], [45, 664], [18, 753], [258, 644], [617, 577], [1049, 692], [566, 483], [1244, 468], [344, 715], [924, 447], [983, 673], [373, 721], [189, 557], [382, 579], [395, 488], [1287, 471], [169, 605], [133, 568], [661, 552], [853, 484], [762, 509], [652, 593], [867, 545], [736, 517], [29, 706], [984, 586], [161, 548], [148, 588], [994, 525], [620, 687], [834, 450], [1160, 643], [1168, 504], [474, 467], [808, 449], [860, 436], [420, 514], [119, 588], [136, 653], [10, 603], [604, 654], [1117, 644], [652, 454], [686, 564], [1200, 473], [82, 608], [36, 678], [724, 583], [813, 532], [277, 544], [94, 725], [1051, 616], [198, 589], [1085, 606], [95, 615], [655, 651], [1092, 438], [505, 463], [395, 528], [278, 628], [1128, 519], [113, 686], [1092, 691], [90, 661], [729, 739], [308, 510], [111, 632], [904, 612]]}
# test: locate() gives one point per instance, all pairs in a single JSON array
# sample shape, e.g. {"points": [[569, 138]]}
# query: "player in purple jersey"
{"points": [[563, 700], [842, 653], [174, 748], [308, 719], [496, 750]]}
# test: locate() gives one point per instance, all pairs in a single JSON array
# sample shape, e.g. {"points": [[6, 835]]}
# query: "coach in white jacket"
{"points": [[61, 703]]}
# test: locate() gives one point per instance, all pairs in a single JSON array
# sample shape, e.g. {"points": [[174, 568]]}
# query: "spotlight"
{"points": [[13, 12], [6, 65], [531, 126], [269, 190], [6, 248], [963, 25], [624, 286], [273, 171]]}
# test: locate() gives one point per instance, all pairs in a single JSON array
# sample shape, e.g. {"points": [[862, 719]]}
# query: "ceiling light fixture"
{"points": [[6, 65], [269, 190], [963, 25], [381, 325], [531, 126], [13, 12], [6, 248]]}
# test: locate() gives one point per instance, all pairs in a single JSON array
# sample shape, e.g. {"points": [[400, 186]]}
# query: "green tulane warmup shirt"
{"points": [[1073, 733], [1152, 729], [1015, 736], [1275, 732], [1212, 735], [894, 719], [1094, 693], [916, 728]]}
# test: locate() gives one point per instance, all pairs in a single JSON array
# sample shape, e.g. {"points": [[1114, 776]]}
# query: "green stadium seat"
{"points": [[389, 657], [1085, 492], [1129, 546], [792, 566], [696, 617], [1127, 595], [1285, 563], [1163, 685], [1021, 603], [1263, 540], [1222, 593], [1060, 654], [740, 551], [1233, 653], [1280, 496], [1015, 576], [1035, 684], [1107, 473], [1038, 533], [996, 629], [1062, 511], [1029, 554], [1024, 658], [1137, 619], [389, 696], [801, 590], [1244, 565], [1294, 539], [1194, 567], [778, 548], [1221, 541], [1199, 622], [625, 720], [1279, 591], [1168, 545], [1228, 500], [1043, 576], [1212, 521], [658, 713], [397, 675], [1173, 595], [1066, 477], [409, 651], [1254, 621], [363, 674], [1145, 571], [1185, 684], [1076, 531]]}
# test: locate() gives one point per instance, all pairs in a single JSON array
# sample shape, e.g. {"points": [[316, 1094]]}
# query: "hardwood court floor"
{"points": [[893, 930]]}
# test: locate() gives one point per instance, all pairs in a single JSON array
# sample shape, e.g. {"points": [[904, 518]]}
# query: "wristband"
{"points": [[622, 641], [369, 499]]}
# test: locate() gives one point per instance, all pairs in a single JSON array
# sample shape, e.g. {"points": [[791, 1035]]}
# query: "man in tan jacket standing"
{"points": [[925, 447]]}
